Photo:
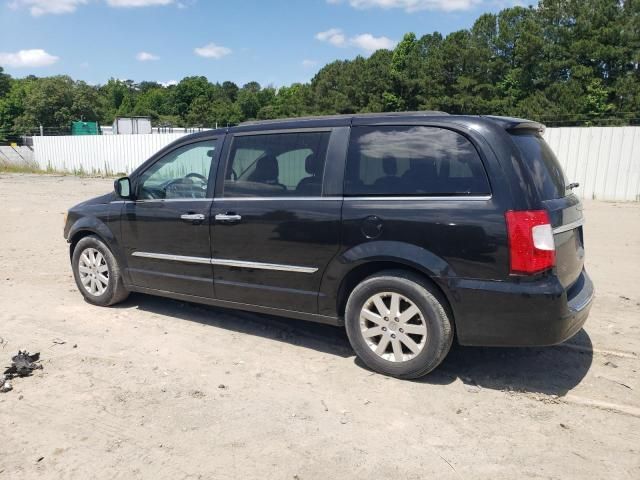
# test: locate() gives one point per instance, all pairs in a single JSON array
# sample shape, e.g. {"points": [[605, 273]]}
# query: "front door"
{"points": [[166, 228], [276, 225]]}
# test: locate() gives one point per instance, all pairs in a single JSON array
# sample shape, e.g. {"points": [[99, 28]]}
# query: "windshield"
{"points": [[543, 165]]}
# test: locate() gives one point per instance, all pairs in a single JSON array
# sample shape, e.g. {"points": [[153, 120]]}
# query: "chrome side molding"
{"points": [[226, 263], [263, 266], [450, 198], [172, 258]]}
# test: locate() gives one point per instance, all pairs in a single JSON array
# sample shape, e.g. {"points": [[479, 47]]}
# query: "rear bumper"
{"points": [[537, 313]]}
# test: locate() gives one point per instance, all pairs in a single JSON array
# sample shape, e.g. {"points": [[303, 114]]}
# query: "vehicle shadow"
{"points": [[549, 370], [316, 336]]}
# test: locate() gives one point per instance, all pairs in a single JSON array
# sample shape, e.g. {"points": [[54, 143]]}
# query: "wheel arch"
{"points": [[365, 270], [362, 261], [88, 226], [79, 235]]}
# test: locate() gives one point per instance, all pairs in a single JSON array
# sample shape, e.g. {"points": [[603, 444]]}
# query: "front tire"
{"points": [[398, 324], [97, 273]]}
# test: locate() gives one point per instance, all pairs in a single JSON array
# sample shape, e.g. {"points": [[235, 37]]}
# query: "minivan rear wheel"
{"points": [[398, 324], [97, 273]]}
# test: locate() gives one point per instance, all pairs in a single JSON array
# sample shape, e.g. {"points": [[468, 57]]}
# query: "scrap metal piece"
{"points": [[23, 364]]}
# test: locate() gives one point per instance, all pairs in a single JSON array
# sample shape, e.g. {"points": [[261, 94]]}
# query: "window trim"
{"points": [[228, 149], [419, 196]]}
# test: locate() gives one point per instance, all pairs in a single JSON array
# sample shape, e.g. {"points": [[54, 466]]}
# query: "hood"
{"points": [[101, 200]]}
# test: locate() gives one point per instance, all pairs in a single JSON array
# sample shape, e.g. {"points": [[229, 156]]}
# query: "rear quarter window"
{"points": [[542, 164], [413, 160]]}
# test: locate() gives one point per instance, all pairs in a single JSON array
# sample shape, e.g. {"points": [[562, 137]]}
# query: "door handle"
{"points": [[193, 217], [228, 217]]}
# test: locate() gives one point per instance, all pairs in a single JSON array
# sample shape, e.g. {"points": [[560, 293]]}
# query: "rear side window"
{"points": [[413, 160], [543, 166], [277, 165]]}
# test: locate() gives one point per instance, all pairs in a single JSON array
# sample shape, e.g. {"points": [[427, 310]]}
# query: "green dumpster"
{"points": [[85, 128]]}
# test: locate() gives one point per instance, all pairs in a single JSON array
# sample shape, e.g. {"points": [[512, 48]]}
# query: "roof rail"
{"points": [[342, 116]]}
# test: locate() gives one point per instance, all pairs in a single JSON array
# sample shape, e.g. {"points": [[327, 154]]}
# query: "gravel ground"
{"points": [[159, 389]]}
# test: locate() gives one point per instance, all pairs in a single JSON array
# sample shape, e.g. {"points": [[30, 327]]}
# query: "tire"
{"points": [[92, 262], [423, 338]]}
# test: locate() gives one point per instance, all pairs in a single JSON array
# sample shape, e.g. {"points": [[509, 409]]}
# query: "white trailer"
{"points": [[132, 125]]}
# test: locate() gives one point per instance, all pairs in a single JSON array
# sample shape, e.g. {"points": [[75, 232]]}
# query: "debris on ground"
{"points": [[23, 364], [5, 384]]}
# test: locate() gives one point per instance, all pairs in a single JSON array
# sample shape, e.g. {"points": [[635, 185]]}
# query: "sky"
{"points": [[274, 42]]}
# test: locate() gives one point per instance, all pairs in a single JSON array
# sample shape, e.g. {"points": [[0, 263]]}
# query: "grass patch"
{"points": [[33, 168], [12, 168], [50, 171]]}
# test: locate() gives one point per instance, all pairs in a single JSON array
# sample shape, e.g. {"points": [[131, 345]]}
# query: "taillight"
{"points": [[531, 246]]}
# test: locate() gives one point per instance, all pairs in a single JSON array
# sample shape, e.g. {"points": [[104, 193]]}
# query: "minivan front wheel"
{"points": [[97, 273], [398, 324]]}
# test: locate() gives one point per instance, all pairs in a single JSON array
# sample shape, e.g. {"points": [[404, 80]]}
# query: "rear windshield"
{"points": [[543, 165]]}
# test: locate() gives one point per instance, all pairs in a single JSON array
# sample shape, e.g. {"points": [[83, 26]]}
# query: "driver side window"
{"points": [[182, 173]]}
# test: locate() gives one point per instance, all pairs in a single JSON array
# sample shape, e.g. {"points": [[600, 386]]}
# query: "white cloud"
{"points": [[309, 63], [334, 36], [28, 58], [370, 44], [412, 5], [137, 3], [212, 50], [43, 7], [364, 41], [146, 57], [170, 83]]}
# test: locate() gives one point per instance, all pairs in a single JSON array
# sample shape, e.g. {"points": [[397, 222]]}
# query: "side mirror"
{"points": [[122, 186]]}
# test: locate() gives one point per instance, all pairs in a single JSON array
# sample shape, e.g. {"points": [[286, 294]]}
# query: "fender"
{"points": [[401, 253], [98, 227]]}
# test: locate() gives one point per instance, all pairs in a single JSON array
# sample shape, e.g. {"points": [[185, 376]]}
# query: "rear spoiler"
{"points": [[517, 124]]}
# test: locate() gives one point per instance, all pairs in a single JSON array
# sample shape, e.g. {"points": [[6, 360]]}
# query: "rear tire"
{"points": [[97, 273], [398, 324]]}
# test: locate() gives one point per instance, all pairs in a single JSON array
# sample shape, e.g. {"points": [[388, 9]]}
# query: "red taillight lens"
{"points": [[531, 246]]}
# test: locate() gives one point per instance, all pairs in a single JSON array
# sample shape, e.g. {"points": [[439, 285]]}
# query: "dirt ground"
{"points": [[159, 389]]}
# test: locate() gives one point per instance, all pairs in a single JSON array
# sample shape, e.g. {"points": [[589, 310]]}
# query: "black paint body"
{"points": [[459, 244]]}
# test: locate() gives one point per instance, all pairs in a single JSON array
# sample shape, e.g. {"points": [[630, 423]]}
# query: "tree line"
{"points": [[564, 62]]}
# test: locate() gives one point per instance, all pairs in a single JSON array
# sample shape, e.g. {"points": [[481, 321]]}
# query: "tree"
{"points": [[563, 62], [5, 83]]}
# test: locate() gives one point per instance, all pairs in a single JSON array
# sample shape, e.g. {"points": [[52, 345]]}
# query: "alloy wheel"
{"points": [[93, 271], [393, 327]]}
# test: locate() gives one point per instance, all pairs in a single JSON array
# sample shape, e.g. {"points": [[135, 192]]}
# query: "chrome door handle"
{"points": [[223, 217], [194, 217]]}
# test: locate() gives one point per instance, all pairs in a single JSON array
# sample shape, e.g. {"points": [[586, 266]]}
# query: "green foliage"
{"points": [[564, 62]]}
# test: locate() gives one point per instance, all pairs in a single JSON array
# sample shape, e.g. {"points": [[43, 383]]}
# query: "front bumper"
{"points": [[520, 314]]}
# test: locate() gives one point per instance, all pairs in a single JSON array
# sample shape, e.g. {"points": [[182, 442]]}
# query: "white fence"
{"points": [[109, 154], [604, 160]]}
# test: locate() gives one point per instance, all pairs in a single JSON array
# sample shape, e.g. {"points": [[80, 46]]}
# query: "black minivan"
{"points": [[407, 229]]}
